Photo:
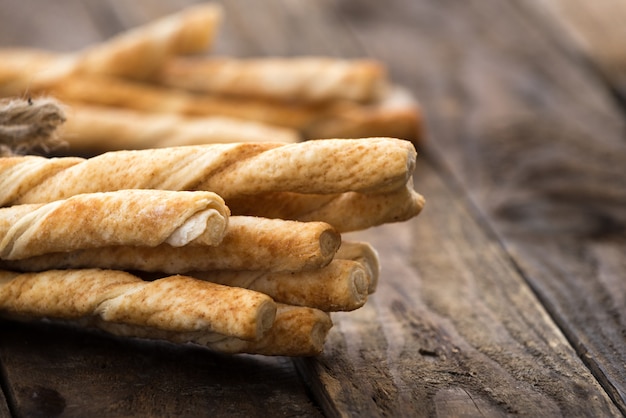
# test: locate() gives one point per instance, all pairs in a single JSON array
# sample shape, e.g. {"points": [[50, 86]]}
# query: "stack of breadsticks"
{"points": [[234, 246], [158, 86], [196, 213]]}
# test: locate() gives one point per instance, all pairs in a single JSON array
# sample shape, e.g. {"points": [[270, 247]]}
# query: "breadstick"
{"points": [[139, 53], [308, 79], [17, 67], [340, 286], [296, 331], [125, 217], [29, 71], [174, 303], [116, 92], [346, 212], [249, 244], [396, 114], [231, 170], [364, 253], [20, 174], [91, 130]]}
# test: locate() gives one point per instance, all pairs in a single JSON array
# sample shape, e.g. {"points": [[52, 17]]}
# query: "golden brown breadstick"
{"points": [[125, 217], [308, 79], [340, 286], [296, 331], [140, 52], [250, 243], [230, 170], [91, 130], [17, 175], [364, 253], [346, 212], [174, 303]]}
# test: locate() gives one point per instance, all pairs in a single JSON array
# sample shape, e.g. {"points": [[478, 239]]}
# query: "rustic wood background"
{"points": [[505, 297]]}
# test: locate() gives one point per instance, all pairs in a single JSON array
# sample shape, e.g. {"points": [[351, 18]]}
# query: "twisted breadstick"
{"points": [[394, 114], [175, 303], [302, 79], [140, 52], [350, 211], [340, 286], [17, 175], [250, 243], [137, 53], [296, 331], [91, 130], [230, 170], [125, 217], [116, 92]]}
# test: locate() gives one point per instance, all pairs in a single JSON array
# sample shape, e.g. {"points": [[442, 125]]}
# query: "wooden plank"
{"points": [[54, 370], [277, 28], [389, 31], [427, 343], [453, 330], [536, 141], [57, 26], [598, 30], [4, 407]]}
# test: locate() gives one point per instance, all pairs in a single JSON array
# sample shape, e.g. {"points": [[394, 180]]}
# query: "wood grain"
{"points": [[536, 142], [23, 25], [453, 330], [90, 374], [4, 407]]}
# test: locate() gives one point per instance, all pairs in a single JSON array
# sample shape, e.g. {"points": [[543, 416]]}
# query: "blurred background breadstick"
{"points": [[395, 114], [300, 79], [143, 69], [140, 52], [91, 130], [122, 93]]}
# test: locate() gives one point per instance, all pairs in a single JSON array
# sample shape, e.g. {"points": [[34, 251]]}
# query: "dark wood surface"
{"points": [[505, 297]]}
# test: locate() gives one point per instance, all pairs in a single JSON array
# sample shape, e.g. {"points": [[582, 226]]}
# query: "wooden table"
{"points": [[506, 296]]}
